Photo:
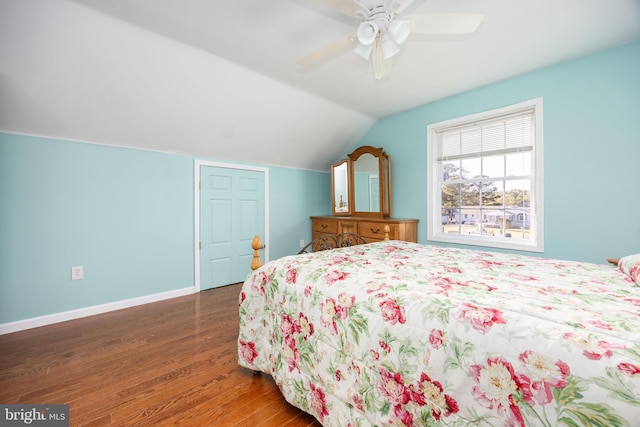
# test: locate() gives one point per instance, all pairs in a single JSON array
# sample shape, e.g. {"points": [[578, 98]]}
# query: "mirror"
{"points": [[340, 188], [364, 182]]}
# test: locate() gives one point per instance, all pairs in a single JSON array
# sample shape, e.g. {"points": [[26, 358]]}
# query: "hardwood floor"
{"points": [[172, 362]]}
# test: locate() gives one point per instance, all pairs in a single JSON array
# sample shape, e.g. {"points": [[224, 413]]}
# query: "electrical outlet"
{"points": [[77, 273], [302, 243]]}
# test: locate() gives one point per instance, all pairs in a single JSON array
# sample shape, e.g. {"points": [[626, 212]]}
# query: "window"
{"points": [[485, 183]]}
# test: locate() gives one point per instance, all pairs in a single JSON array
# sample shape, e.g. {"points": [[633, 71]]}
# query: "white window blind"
{"points": [[502, 135]]}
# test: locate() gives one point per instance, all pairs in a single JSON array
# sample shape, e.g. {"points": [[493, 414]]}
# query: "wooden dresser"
{"points": [[372, 229]]}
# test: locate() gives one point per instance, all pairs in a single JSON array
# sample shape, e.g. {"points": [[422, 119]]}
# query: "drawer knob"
{"points": [[324, 225], [374, 231]]}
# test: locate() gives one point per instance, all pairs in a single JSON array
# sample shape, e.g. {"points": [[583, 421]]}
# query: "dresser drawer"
{"points": [[324, 226], [374, 231]]}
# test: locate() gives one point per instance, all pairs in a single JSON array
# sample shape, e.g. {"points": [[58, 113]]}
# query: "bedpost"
{"points": [[256, 244], [387, 231]]}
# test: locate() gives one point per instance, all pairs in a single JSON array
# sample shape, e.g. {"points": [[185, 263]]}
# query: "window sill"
{"points": [[488, 242]]}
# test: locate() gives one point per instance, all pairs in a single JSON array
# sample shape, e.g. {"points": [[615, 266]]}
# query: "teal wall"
{"points": [[591, 146], [125, 215], [295, 195]]}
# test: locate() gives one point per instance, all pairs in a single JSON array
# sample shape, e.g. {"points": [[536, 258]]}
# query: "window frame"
{"points": [[435, 231]]}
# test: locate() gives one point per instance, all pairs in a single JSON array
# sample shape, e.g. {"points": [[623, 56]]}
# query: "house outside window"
{"points": [[485, 185]]}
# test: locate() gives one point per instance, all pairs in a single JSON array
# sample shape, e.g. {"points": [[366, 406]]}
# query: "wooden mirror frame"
{"points": [[384, 180]]}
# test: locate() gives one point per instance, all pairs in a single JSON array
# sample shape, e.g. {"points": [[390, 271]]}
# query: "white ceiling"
{"points": [[219, 78]]}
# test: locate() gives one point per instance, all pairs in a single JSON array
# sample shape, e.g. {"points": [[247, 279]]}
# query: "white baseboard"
{"points": [[34, 322]]}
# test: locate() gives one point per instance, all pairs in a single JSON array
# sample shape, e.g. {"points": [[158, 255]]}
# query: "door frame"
{"points": [[198, 164]]}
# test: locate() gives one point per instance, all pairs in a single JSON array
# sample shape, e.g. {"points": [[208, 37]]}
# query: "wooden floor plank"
{"points": [[172, 362]]}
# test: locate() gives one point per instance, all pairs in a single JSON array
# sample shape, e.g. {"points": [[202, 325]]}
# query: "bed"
{"points": [[395, 333]]}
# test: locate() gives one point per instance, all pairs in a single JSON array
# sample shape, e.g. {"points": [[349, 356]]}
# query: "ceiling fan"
{"points": [[382, 30]]}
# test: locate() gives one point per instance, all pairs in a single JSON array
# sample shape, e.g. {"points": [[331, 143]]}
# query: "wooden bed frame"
{"points": [[320, 243]]}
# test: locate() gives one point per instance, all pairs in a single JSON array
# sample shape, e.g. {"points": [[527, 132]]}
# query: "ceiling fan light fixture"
{"points": [[389, 47], [399, 30], [367, 32], [364, 50]]}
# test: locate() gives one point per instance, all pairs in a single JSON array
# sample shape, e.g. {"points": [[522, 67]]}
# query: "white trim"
{"points": [[196, 189], [64, 316], [537, 193]]}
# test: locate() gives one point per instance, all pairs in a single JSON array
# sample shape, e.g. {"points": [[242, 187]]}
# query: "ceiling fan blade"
{"points": [[327, 51], [397, 6], [347, 7], [445, 23]]}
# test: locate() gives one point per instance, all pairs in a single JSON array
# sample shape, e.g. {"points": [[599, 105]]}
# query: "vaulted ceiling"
{"points": [[219, 79]]}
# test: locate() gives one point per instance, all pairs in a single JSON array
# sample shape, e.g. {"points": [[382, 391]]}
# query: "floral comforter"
{"points": [[397, 333]]}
